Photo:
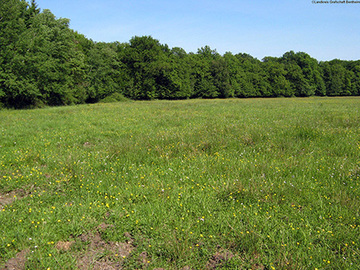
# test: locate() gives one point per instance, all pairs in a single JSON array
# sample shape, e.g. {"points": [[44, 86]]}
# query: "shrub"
{"points": [[114, 97]]}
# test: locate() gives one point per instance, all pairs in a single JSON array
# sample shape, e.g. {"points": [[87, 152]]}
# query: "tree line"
{"points": [[44, 62]]}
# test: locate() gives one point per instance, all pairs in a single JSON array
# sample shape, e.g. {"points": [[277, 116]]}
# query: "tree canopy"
{"points": [[44, 62]]}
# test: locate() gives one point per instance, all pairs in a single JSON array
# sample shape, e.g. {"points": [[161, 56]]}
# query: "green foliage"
{"points": [[45, 66], [277, 78], [107, 73], [44, 62], [114, 97]]}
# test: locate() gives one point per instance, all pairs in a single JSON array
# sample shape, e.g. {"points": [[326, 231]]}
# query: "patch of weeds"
{"points": [[114, 97]]}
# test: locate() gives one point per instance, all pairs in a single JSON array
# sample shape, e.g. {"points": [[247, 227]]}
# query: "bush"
{"points": [[114, 97]]}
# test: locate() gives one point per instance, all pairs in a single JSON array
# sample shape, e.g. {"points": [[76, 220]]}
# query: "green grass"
{"points": [[235, 184]]}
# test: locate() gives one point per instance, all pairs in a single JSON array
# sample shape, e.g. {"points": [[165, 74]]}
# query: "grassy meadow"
{"points": [[192, 184]]}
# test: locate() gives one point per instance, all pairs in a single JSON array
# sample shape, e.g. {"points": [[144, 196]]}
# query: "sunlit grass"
{"points": [[270, 183]]}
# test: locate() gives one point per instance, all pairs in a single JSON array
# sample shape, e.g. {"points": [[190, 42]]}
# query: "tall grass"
{"points": [[238, 184]]}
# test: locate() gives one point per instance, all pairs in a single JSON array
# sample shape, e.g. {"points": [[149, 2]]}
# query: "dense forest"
{"points": [[44, 62]]}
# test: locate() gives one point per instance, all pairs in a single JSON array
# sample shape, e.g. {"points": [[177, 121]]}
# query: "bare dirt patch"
{"points": [[18, 262], [102, 254], [104, 226], [64, 246], [10, 197], [219, 259]]}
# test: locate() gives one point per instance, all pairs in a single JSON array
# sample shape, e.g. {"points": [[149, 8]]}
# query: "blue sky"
{"points": [[257, 27]]}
